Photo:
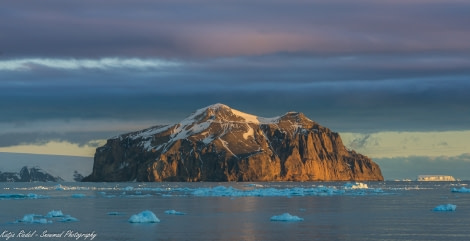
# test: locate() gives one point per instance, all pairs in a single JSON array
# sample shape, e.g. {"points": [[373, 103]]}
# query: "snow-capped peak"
{"points": [[221, 113]]}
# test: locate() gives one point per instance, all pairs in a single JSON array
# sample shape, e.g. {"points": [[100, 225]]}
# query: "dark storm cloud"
{"points": [[353, 66], [194, 29]]}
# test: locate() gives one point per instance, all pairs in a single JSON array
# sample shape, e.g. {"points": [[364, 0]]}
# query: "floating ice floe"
{"points": [[461, 190], [54, 215], [78, 195], [33, 218], [115, 213], [5, 196], [286, 217], [68, 218], [174, 212], [144, 217], [445, 207], [221, 191]]}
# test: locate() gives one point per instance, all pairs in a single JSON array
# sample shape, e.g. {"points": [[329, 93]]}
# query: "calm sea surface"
{"points": [[234, 211]]}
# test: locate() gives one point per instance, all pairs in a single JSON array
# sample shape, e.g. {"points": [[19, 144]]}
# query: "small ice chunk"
{"points": [[445, 207], [128, 188], [54, 214], [174, 212], [286, 217], [144, 217]]}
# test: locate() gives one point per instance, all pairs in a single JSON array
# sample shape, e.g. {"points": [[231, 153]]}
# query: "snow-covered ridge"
{"points": [[221, 109], [199, 122]]}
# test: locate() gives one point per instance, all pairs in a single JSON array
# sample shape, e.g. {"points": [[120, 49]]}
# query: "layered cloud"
{"points": [[391, 76], [194, 29], [30, 64]]}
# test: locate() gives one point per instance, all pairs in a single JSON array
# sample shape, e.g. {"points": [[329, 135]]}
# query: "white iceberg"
{"points": [[174, 212], [435, 178], [445, 207], [144, 217], [355, 185], [286, 217]]}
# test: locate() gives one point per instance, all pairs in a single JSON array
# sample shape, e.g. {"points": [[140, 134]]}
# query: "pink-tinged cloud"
{"points": [[202, 29]]}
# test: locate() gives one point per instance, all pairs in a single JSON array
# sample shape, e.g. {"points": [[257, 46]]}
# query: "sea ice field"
{"points": [[236, 211]]}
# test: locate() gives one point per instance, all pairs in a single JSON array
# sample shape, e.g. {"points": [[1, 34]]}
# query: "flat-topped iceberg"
{"points": [[50, 217], [144, 217], [435, 178], [286, 217]]}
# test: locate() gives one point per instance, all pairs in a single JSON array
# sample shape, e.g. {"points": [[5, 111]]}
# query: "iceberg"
{"points": [[174, 212], [445, 207], [435, 178], [144, 217], [286, 217]]}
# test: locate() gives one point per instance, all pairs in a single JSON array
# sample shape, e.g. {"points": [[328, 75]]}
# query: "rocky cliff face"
{"points": [[218, 143]]}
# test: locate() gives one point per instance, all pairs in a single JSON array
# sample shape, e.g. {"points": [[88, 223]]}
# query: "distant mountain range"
{"points": [[28, 174], [218, 143], [19, 167]]}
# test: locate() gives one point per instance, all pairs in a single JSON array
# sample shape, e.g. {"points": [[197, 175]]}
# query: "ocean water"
{"points": [[235, 211]]}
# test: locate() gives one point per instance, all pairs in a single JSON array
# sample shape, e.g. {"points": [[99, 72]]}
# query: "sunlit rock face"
{"points": [[218, 143]]}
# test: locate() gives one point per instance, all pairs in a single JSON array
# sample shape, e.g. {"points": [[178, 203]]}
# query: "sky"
{"points": [[392, 77]]}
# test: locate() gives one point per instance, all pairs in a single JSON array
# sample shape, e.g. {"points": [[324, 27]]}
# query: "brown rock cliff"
{"points": [[218, 143]]}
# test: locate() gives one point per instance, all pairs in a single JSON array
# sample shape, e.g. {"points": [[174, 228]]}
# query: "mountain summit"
{"points": [[218, 143]]}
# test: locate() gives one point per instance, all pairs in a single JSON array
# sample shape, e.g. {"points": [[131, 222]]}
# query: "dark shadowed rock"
{"points": [[218, 143], [28, 174]]}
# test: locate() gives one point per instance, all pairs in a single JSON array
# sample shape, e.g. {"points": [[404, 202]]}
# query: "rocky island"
{"points": [[218, 143]]}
